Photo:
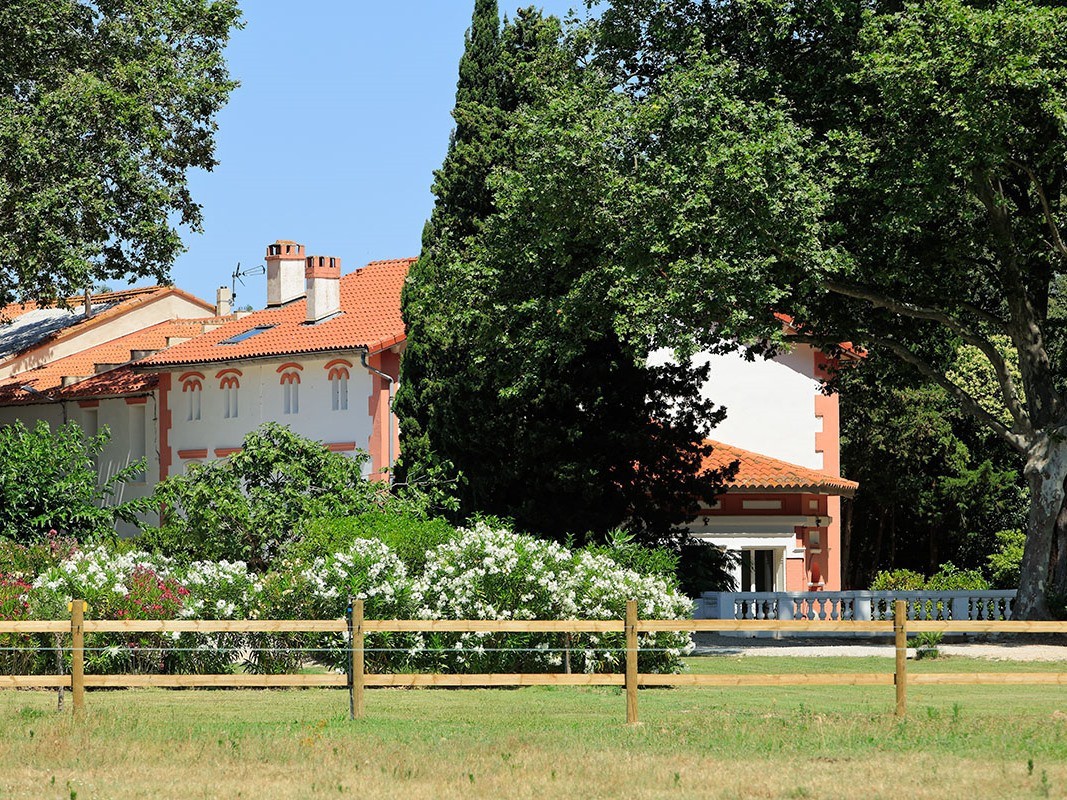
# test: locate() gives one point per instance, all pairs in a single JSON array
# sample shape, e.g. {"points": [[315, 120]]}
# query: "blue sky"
{"points": [[342, 115]]}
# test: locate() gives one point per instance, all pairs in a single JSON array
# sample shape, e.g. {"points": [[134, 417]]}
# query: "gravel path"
{"points": [[710, 644]]}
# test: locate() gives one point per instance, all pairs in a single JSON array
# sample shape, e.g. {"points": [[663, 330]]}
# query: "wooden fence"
{"points": [[357, 679]]}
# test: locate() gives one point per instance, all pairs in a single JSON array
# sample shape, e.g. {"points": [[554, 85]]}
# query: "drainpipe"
{"points": [[389, 412]]}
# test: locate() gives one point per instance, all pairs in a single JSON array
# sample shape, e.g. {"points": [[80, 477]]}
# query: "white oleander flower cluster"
{"points": [[488, 573]]}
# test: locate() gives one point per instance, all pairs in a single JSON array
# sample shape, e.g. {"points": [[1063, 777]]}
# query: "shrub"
{"points": [[19, 653], [30, 560], [927, 644], [320, 589], [48, 481], [494, 574], [950, 578], [1005, 563], [481, 573], [898, 580], [627, 553], [250, 506], [410, 537]]}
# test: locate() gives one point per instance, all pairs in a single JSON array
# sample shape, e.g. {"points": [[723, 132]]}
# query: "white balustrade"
{"points": [[855, 605]]}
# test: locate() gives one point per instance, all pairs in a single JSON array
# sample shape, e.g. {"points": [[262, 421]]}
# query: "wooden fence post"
{"points": [[77, 653], [631, 662], [900, 677], [357, 667]]}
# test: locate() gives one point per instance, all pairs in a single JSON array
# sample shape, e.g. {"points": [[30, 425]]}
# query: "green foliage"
{"points": [[927, 644], [623, 550], [48, 482], [948, 578], [951, 578], [1003, 564], [897, 580], [703, 567], [889, 175], [550, 417], [934, 484], [247, 507], [104, 109], [480, 573], [36, 557], [410, 537]]}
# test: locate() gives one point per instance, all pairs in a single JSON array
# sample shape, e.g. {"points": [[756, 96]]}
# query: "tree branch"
{"points": [[1057, 239], [1008, 390], [970, 405], [1044, 403]]}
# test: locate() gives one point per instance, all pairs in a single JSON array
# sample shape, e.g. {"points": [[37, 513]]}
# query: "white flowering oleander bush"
{"points": [[319, 588], [491, 573], [481, 573]]}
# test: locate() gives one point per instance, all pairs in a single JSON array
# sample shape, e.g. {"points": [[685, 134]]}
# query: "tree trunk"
{"points": [[1043, 571]]}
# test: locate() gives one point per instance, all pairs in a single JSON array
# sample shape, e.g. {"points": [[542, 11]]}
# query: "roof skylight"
{"points": [[243, 335]]}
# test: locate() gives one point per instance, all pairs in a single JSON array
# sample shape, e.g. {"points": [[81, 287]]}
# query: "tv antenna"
{"points": [[239, 273]]}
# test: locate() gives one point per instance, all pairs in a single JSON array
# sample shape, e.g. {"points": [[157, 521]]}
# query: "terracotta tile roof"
{"points": [[27, 325], [47, 380], [370, 318], [760, 473]]}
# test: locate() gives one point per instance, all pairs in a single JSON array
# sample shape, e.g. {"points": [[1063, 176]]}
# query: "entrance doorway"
{"points": [[758, 571]]}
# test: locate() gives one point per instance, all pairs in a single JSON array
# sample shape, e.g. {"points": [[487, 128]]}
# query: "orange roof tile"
{"points": [[370, 318], [47, 380], [760, 473]]}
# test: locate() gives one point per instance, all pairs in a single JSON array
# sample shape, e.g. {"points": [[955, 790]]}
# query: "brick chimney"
{"points": [[284, 281], [223, 301], [323, 274]]}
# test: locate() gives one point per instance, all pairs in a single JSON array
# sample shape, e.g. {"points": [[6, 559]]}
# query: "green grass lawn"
{"points": [[565, 742]]}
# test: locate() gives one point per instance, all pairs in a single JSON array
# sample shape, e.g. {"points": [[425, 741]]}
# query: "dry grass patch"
{"points": [[794, 742]]}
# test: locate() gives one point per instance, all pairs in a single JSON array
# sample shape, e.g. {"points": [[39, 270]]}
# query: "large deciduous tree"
{"points": [[104, 108], [549, 415], [888, 174]]}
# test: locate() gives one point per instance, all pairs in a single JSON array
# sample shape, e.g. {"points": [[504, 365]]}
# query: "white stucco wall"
{"points": [[261, 399], [770, 404]]}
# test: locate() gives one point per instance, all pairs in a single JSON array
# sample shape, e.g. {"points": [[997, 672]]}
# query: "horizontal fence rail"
{"points": [[358, 679]]}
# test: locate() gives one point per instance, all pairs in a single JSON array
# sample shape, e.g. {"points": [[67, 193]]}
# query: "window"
{"points": [[243, 335], [290, 381], [91, 426], [192, 391], [291, 393], [229, 383], [138, 436], [192, 388], [338, 375]]}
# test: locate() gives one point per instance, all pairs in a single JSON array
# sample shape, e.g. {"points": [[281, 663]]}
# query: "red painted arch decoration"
{"points": [[290, 373], [338, 368], [191, 381], [229, 378]]}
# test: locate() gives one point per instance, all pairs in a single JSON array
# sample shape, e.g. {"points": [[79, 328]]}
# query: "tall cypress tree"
{"points": [[433, 370]]}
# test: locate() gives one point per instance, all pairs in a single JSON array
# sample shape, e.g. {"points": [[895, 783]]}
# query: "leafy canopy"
{"points": [[888, 174], [104, 108]]}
